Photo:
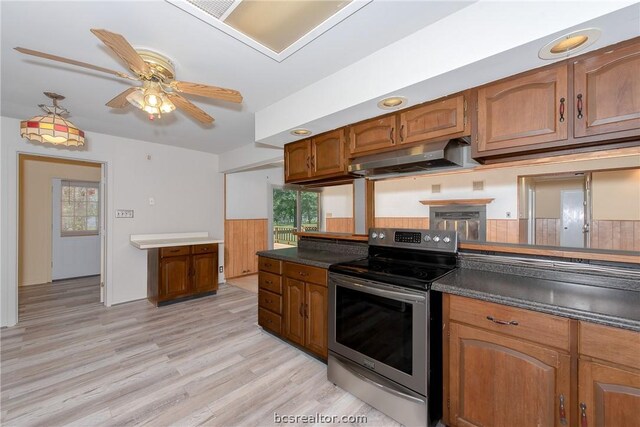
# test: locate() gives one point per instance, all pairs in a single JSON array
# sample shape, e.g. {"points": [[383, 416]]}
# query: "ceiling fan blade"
{"points": [[124, 50], [207, 91], [73, 62], [195, 112], [120, 101]]}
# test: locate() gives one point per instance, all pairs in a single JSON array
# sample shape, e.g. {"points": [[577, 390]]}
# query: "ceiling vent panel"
{"points": [[215, 8]]}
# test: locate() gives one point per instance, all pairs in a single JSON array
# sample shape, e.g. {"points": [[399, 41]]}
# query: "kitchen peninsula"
{"points": [[180, 266]]}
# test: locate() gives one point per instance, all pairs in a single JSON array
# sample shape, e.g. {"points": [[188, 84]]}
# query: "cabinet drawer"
{"points": [[538, 327], [306, 273], [205, 249], [270, 282], [270, 301], [270, 265], [270, 321], [175, 251], [610, 344]]}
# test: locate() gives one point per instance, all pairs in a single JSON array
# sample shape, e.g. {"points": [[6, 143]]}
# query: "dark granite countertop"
{"points": [[313, 257], [605, 305]]}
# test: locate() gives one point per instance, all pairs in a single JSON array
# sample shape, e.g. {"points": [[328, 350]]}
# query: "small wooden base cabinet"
{"points": [[181, 272], [505, 366], [292, 303]]}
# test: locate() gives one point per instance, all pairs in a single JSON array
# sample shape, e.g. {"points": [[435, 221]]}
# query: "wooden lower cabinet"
{"points": [[608, 376], [181, 272], [609, 396], [499, 372], [294, 298], [315, 332], [270, 299], [501, 381], [293, 303]]}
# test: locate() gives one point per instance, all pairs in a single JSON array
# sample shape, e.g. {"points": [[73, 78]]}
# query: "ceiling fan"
{"points": [[160, 92]]}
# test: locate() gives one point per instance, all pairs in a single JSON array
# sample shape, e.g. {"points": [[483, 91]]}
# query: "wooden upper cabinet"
{"points": [[327, 154], [607, 92], [373, 135], [501, 381], [297, 158], [517, 113], [437, 119]]}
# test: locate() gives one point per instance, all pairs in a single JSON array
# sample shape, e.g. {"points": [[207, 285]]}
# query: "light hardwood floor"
{"points": [[248, 283], [71, 361]]}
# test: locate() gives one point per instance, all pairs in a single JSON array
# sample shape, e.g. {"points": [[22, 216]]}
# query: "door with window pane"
{"points": [[294, 210], [75, 229]]}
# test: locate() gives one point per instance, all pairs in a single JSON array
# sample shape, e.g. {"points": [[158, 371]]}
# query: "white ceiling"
{"points": [[200, 52]]}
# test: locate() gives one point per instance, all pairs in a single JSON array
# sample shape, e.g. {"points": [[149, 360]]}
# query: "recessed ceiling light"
{"points": [[392, 102], [569, 43], [300, 132]]}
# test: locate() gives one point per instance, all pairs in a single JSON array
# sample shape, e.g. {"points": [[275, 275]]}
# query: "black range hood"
{"points": [[425, 157]]}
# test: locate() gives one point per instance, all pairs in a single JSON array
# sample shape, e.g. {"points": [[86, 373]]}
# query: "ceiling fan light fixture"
{"points": [[52, 128]]}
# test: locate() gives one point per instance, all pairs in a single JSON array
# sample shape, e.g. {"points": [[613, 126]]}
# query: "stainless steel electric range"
{"points": [[385, 323]]}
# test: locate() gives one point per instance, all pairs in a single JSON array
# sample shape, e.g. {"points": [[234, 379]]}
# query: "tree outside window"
{"points": [[80, 208]]}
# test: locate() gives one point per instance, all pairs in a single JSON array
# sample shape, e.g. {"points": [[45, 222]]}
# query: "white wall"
{"points": [[72, 256], [401, 197], [337, 202], [248, 192], [186, 186]]}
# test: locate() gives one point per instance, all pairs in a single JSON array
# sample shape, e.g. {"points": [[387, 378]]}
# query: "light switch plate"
{"points": [[124, 213]]}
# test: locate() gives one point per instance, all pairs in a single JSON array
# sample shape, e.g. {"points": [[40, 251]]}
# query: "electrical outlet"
{"points": [[221, 269], [124, 213], [508, 214], [152, 201]]}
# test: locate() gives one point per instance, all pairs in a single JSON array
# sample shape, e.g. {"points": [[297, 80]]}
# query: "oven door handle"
{"points": [[370, 289]]}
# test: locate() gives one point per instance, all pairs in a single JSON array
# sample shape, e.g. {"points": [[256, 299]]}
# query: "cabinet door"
{"points": [[500, 381], [174, 276], [316, 319], [433, 120], [611, 396], [294, 311], [373, 135], [297, 157], [327, 154], [205, 272], [523, 111], [607, 91]]}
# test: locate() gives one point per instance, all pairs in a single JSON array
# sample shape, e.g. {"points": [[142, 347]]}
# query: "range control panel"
{"points": [[436, 240]]}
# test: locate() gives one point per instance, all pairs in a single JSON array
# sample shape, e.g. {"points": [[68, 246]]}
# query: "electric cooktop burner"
{"points": [[407, 258]]}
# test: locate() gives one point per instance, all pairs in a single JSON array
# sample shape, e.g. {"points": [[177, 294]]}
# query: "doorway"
{"points": [[558, 209], [61, 222]]}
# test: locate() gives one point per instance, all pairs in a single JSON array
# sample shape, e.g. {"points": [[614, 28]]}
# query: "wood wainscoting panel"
{"points": [[402, 222], [503, 230], [340, 225], [548, 231], [242, 239], [616, 235]]}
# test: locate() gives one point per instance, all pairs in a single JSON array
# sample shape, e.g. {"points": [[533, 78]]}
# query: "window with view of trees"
{"points": [[80, 208], [294, 210]]}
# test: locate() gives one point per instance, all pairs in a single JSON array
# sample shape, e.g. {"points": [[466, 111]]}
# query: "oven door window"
{"points": [[379, 328]]}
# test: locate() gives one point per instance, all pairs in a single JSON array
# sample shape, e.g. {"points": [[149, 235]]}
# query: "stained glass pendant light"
{"points": [[52, 128]]}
